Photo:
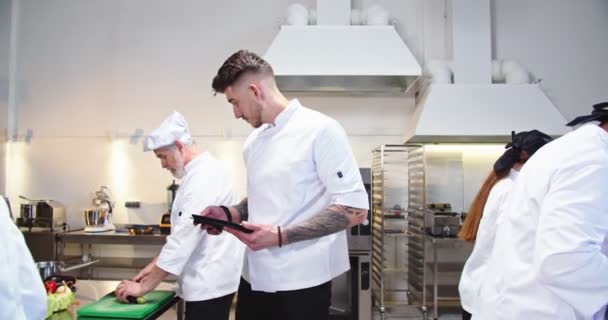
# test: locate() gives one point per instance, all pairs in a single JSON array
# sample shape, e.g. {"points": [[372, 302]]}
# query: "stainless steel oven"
{"points": [[351, 292]]}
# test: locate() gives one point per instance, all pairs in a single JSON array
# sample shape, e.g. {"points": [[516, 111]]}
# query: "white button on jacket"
{"points": [[475, 267], [549, 259], [207, 266], [22, 294], [295, 168]]}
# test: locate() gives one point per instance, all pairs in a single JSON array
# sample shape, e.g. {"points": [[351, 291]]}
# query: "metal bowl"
{"points": [[95, 217], [55, 268], [49, 268]]}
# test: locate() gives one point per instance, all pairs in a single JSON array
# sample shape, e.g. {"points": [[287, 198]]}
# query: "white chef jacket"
{"points": [[475, 267], [549, 259], [296, 168], [22, 293], [207, 266]]}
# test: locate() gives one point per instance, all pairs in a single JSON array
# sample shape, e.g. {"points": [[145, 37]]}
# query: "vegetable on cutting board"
{"points": [[138, 300], [50, 286], [61, 280], [61, 299]]}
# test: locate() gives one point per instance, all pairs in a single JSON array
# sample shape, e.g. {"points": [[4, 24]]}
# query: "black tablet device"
{"points": [[219, 224]]}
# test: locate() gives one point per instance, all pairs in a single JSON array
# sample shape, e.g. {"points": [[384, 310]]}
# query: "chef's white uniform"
{"points": [[207, 266], [296, 168], [22, 293], [549, 259], [475, 267]]}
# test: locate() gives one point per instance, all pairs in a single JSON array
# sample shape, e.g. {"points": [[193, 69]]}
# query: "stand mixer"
{"points": [[99, 217]]}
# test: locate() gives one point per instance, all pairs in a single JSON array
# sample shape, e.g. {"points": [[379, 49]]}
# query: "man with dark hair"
{"points": [[239, 63], [550, 255], [304, 190]]}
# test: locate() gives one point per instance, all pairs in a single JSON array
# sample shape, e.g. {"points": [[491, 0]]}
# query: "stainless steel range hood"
{"points": [[342, 58], [488, 99], [453, 113]]}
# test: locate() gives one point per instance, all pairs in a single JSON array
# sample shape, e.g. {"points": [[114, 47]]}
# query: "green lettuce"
{"points": [[60, 300]]}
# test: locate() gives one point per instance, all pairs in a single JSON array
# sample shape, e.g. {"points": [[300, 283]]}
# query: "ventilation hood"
{"points": [[475, 99], [453, 113], [325, 57]]}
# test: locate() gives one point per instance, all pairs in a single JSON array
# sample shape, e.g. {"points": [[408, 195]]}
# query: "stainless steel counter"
{"points": [[437, 266], [88, 291], [87, 240], [112, 237]]}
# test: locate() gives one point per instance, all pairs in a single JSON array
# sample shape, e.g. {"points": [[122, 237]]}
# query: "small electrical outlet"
{"points": [[132, 204]]}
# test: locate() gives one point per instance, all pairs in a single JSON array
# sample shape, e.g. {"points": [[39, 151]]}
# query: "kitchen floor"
{"points": [[376, 316], [400, 315], [441, 317]]}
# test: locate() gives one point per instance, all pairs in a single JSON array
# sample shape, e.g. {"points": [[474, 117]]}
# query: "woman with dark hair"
{"points": [[485, 211]]}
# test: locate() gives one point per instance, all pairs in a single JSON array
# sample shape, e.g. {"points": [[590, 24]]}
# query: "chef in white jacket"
{"points": [[304, 190], [22, 294], [549, 260], [207, 267], [480, 224]]}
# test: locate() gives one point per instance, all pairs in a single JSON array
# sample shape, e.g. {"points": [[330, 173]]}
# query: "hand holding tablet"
{"points": [[218, 224]]}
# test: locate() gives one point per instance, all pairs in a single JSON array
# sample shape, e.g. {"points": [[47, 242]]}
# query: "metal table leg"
{"points": [[435, 270], [90, 270]]}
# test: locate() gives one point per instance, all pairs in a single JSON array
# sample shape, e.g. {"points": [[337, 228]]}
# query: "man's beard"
{"points": [[256, 117], [256, 124], [179, 171]]}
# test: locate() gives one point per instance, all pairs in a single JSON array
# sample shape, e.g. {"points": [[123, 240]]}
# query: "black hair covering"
{"points": [[599, 113], [528, 141]]}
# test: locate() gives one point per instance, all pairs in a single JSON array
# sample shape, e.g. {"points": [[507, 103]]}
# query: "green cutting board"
{"points": [[110, 307]]}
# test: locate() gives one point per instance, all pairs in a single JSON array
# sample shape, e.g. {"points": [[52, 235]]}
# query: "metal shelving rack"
{"points": [[417, 292], [397, 187]]}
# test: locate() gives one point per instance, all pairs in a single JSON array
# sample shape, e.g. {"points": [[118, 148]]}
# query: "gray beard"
{"points": [[180, 171]]}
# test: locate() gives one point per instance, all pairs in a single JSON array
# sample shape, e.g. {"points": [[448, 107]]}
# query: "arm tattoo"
{"points": [[330, 220], [243, 209]]}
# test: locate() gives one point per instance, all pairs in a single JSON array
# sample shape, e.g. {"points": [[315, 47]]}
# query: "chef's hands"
{"points": [[145, 271], [129, 288], [142, 283], [263, 236]]}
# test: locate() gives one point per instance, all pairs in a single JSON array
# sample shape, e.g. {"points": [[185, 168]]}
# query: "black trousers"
{"points": [[305, 304], [213, 309], [466, 315]]}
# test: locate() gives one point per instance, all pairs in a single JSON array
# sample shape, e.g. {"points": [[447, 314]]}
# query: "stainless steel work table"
{"points": [[438, 243], [106, 238], [112, 237]]}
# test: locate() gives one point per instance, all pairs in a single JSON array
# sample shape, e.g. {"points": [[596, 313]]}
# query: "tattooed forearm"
{"points": [[330, 220], [243, 209]]}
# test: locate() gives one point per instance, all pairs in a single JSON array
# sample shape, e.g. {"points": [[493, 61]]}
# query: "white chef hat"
{"points": [[173, 128]]}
